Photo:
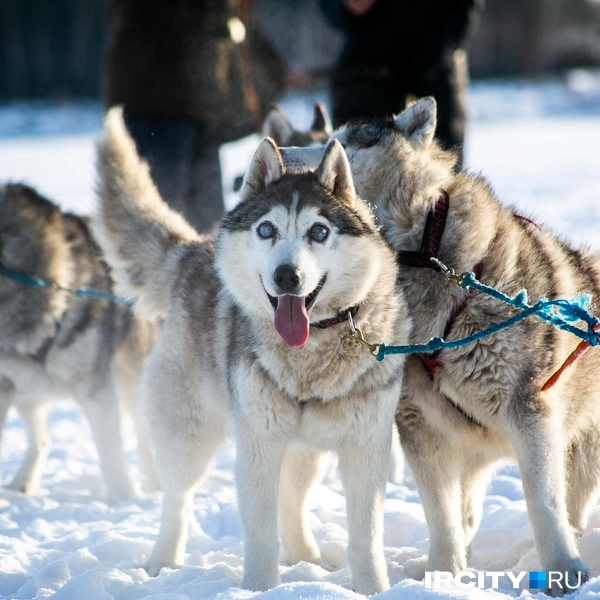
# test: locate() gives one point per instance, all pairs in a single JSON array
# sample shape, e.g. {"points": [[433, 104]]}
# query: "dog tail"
{"points": [[142, 237]]}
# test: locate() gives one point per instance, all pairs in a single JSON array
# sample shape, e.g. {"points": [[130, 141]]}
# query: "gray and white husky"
{"points": [[278, 127], [256, 340], [461, 411], [54, 344]]}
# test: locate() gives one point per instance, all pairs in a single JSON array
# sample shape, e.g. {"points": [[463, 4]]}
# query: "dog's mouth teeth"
{"points": [[309, 300], [272, 300]]}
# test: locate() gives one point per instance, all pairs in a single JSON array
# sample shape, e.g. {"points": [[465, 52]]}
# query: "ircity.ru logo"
{"points": [[463, 580]]}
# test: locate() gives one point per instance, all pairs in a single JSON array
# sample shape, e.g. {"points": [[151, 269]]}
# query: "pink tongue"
{"points": [[291, 320]]}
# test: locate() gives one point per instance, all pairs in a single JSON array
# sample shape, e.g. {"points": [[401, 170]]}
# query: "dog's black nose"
{"points": [[287, 278]]}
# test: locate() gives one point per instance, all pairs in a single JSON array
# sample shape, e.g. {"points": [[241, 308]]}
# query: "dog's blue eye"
{"points": [[319, 233], [266, 230]]}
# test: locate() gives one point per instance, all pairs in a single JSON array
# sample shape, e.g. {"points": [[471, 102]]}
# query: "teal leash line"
{"points": [[559, 313], [48, 283]]}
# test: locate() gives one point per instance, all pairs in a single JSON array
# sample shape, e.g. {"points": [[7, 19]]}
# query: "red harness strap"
{"points": [[432, 237], [430, 245], [432, 361], [527, 220]]}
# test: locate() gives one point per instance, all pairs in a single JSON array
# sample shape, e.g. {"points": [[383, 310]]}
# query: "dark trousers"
{"points": [[184, 165], [380, 91]]}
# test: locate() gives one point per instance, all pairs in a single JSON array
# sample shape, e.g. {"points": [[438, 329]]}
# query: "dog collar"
{"points": [[432, 237], [339, 318]]}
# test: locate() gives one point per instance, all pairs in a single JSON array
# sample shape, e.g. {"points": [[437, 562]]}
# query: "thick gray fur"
{"points": [[54, 344], [553, 435], [220, 366]]}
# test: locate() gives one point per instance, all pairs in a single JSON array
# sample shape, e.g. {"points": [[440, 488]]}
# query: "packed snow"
{"points": [[539, 143]]}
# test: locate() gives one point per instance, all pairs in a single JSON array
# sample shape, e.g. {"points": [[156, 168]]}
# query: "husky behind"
{"points": [[462, 411], [277, 126], [54, 344], [256, 340]]}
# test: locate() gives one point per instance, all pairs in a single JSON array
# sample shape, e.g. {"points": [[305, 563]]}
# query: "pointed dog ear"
{"points": [[277, 126], [265, 168], [321, 120], [334, 173], [417, 123]]}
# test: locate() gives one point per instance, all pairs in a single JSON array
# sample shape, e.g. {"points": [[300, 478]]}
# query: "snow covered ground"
{"points": [[540, 146]]}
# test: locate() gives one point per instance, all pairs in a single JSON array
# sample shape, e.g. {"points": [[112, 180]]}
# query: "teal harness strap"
{"points": [[46, 283], [85, 291], [559, 313], [21, 277]]}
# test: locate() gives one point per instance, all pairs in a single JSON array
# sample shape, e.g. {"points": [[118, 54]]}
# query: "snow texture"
{"points": [[539, 143]]}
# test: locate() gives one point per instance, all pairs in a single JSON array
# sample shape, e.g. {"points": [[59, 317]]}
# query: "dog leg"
{"points": [[540, 454], [35, 419], [127, 390], [583, 474], [474, 482], [396, 474], [258, 468], [364, 471], [301, 468], [102, 412], [437, 474], [169, 550], [183, 451], [150, 482], [7, 394], [127, 377]]}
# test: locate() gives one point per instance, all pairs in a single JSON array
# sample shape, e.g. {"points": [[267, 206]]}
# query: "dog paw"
{"points": [[260, 582], [327, 566], [371, 586], [21, 486], [415, 568], [308, 553], [154, 567], [443, 558], [570, 576], [153, 570], [370, 577]]}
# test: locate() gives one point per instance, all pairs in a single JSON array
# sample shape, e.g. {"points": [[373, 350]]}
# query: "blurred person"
{"points": [[183, 71], [396, 49]]}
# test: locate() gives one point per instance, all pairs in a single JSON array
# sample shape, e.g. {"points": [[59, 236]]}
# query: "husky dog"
{"points": [[54, 344], [277, 126], [255, 339], [463, 410]]}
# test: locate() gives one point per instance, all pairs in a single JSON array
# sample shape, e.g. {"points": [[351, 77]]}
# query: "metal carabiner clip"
{"points": [[357, 335]]}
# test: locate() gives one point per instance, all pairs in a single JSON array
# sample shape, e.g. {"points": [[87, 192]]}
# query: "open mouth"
{"points": [[291, 315], [308, 300]]}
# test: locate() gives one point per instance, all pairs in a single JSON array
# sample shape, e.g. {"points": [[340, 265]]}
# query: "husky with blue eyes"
{"points": [[256, 342]]}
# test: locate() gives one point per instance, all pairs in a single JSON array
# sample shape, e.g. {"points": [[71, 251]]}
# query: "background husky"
{"points": [[298, 249], [277, 126], [462, 411], [55, 344]]}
